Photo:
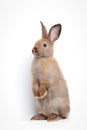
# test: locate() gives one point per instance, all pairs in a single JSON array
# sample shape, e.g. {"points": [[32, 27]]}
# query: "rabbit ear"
{"points": [[44, 31], [54, 32]]}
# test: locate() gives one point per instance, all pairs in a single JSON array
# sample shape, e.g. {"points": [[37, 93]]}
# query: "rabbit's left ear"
{"points": [[54, 32], [44, 31]]}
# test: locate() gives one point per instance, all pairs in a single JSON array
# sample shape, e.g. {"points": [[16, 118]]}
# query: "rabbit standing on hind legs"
{"points": [[49, 86]]}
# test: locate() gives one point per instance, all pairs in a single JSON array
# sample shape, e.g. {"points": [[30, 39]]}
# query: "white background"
{"points": [[19, 30]]}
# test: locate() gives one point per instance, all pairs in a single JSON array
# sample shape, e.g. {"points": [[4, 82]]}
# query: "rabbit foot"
{"points": [[53, 117], [39, 117], [42, 96]]}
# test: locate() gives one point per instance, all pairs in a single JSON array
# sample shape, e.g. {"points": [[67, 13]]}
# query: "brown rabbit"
{"points": [[49, 85]]}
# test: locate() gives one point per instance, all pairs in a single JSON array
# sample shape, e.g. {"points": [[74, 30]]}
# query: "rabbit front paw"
{"points": [[42, 93]]}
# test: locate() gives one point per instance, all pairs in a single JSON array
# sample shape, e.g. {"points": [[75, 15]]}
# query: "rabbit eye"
{"points": [[44, 45]]}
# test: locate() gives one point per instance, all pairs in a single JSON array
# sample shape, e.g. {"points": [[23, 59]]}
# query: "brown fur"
{"points": [[47, 76]]}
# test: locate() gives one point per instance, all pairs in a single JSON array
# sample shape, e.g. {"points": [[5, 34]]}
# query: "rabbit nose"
{"points": [[34, 50]]}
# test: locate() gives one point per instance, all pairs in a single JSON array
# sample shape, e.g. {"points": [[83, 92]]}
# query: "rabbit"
{"points": [[48, 84]]}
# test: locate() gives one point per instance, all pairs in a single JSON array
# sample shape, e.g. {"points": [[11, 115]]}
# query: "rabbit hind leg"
{"points": [[64, 111], [39, 117], [53, 117]]}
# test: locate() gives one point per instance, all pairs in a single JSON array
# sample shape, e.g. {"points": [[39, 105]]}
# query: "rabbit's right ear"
{"points": [[54, 32], [44, 31]]}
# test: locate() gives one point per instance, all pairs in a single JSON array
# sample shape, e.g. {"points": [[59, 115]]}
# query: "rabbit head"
{"points": [[44, 46]]}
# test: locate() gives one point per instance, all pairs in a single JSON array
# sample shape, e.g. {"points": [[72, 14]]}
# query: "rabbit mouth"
{"points": [[35, 54]]}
